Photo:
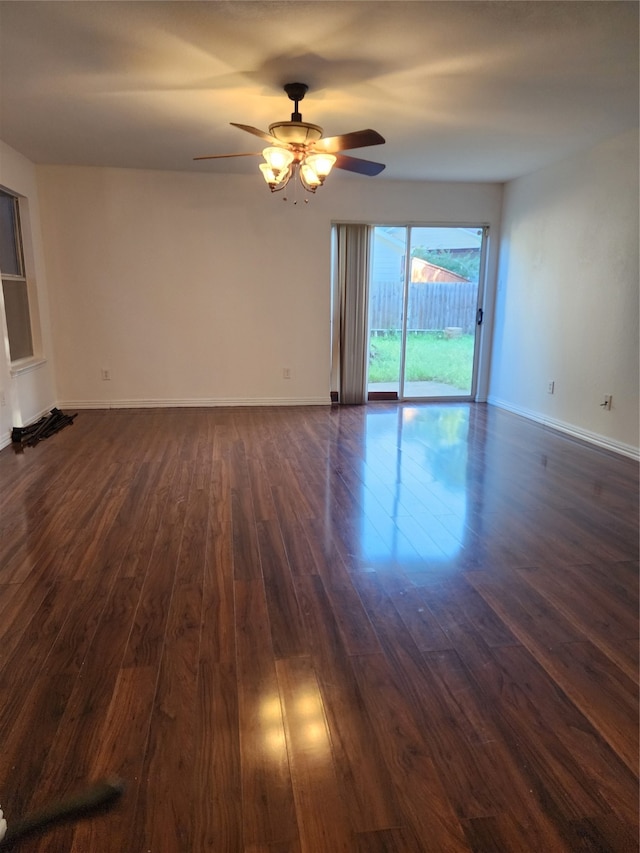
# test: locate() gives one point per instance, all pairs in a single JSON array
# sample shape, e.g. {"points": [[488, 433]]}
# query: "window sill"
{"points": [[26, 365]]}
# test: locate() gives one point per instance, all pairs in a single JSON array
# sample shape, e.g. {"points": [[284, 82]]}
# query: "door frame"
{"points": [[480, 311]]}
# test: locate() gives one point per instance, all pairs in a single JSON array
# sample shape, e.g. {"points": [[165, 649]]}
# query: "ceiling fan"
{"points": [[298, 147]]}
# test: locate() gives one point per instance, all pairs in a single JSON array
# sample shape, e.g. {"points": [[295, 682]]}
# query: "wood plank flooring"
{"points": [[382, 629]]}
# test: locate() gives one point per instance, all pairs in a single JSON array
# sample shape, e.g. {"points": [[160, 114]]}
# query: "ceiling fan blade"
{"points": [[223, 156], [261, 133], [355, 164], [357, 139]]}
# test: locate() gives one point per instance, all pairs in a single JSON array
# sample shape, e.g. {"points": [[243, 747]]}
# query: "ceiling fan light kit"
{"points": [[282, 164], [298, 148]]}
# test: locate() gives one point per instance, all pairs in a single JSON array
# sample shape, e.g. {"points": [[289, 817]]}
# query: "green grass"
{"points": [[431, 357]]}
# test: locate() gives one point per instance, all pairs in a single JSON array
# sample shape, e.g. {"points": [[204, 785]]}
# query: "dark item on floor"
{"points": [[99, 797], [49, 424]]}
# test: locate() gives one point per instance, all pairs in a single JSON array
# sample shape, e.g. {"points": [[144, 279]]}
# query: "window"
{"points": [[15, 290]]}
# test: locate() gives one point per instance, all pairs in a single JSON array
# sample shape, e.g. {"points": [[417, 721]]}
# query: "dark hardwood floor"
{"points": [[313, 630]]}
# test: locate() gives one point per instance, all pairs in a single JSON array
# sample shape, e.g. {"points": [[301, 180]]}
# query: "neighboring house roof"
{"points": [[424, 271]]}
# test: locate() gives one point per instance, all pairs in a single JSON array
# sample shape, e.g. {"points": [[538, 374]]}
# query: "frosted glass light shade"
{"points": [[278, 158], [267, 173], [320, 163], [309, 176]]}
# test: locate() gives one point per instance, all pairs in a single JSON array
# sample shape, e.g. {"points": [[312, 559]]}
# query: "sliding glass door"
{"points": [[424, 315]]}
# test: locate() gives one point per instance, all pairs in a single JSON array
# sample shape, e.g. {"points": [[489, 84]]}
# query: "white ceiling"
{"points": [[460, 90]]}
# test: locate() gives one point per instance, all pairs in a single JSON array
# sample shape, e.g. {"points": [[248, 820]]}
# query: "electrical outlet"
{"points": [[286, 373], [106, 375], [607, 402], [551, 386], [3, 399]]}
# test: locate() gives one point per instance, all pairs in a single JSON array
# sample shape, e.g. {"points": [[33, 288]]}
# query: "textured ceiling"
{"points": [[460, 90]]}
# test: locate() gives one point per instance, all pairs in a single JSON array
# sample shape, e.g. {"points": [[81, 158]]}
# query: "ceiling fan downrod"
{"points": [[296, 92]]}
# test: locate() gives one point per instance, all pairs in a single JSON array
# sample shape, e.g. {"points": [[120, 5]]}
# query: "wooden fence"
{"points": [[432, 306]]}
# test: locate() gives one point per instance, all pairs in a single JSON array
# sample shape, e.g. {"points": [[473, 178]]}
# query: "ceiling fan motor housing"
{"points": [[295, 132]]}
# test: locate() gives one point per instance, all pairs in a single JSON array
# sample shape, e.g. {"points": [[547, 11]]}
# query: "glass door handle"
{"points": [[480, 316]]}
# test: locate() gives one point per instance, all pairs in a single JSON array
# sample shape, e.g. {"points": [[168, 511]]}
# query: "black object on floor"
{"points": [[98, 797], [29, 436]]}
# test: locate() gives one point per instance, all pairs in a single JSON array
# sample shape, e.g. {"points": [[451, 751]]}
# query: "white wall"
{"points": [[30, 392], [199, 288], [567, 296]]}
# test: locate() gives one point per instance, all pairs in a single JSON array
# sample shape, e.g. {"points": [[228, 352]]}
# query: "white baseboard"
{"points": [[602, 441], [199, 403]]}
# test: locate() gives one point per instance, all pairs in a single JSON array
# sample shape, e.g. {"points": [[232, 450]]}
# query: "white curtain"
{"points": [[352, 257]]}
